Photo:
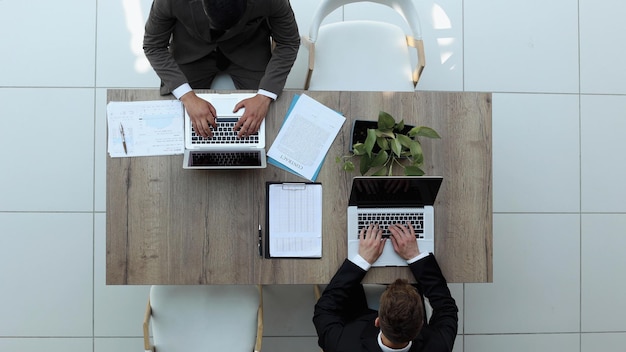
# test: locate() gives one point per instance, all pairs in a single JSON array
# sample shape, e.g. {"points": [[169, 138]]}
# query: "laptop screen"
{"points": [[389, 191]]}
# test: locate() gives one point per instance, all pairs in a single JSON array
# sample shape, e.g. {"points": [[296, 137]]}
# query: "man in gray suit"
{"points": [[188, 42]]}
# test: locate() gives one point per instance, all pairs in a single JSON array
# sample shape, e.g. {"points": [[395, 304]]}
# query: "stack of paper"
{"points": [[145, 128], [307, 133]]}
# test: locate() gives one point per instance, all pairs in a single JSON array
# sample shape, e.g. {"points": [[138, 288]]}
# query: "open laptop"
{"points": [[387, 200], [224, 150]]}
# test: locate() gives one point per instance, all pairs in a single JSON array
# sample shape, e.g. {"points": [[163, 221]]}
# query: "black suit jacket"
{"points": [[177, 32], [344, 323]]}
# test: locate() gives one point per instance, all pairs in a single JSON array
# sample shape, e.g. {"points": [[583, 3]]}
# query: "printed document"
{"points": [[145, 128], [305, 137]]}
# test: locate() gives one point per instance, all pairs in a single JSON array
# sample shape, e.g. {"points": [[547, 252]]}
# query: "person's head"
{"points": [[401, 312], [224, 14]]}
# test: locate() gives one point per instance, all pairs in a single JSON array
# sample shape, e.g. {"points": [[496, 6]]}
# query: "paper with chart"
{"points": [[145, 128], [305, 137], [295, 220]]}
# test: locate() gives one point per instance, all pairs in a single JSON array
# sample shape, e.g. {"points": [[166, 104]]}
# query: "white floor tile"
{"points": [[54, 173], [100, 155], [47, 274], [47, 45], [523, 343], [536, 158], [118, 345], [603, 165], [288, 310], [536, 284], [46, 344], [602, 342], [458, 344], [457, 293], [603, 264], [602, 30], [521, 46], [121, 61], [289, 344], [118, 310]]}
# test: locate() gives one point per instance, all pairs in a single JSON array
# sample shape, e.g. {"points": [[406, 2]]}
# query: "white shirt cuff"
{"points": [[267, 94], [361, 263], [181, 90], [418, 257]]}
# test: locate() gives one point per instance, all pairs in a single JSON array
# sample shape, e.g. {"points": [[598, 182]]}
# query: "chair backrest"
{"points": [[204, 318], [223, 81], [360, 37], [404, 7]]}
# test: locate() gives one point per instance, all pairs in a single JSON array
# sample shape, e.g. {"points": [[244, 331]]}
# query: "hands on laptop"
{"points": [[371, 242], [201, 113], [256, 110]]}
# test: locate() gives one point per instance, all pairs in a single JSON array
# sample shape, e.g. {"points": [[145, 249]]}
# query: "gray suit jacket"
{"points": [[177, 31]]}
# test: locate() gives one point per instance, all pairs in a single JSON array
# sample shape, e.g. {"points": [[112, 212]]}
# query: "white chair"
{"points": [[364, 55], [204, 318], [223, 81]]}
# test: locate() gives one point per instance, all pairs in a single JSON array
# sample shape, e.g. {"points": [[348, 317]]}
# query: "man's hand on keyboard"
{"points": [[256, 110], [371, 243], [201, 113], [403, 240]]}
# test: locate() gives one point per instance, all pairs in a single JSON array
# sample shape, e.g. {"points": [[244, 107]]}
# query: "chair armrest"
{"points": [[418, 44], [259, 331], [147, 345], [310, 46]]}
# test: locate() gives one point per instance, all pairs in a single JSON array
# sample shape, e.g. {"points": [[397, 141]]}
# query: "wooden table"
{"points": [[166, 225]]}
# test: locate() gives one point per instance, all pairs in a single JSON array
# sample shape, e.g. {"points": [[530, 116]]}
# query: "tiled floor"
{"points": [[559, 112]]}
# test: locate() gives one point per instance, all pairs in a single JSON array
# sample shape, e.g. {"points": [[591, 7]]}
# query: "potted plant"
{"points": [[386, 145]]}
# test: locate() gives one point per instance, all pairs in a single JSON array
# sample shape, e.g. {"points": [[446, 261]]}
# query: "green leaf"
{"points": [[418, 159], [382, 143], [365, 163], [369, 141], [385, 134], [380, 172], [423, 131], [337, 159], [359, 149], [416, 148], [396, 147], [413, 171], [379, 159], [348, 166], [405, 141], [385, 121], [399, 126]]}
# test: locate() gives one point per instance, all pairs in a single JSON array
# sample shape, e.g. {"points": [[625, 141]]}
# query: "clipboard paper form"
{"points": [[294, 228]]}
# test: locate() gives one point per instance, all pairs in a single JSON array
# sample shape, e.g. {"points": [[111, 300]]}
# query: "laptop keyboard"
{"points": [[224, 134], [225, 159], [384, 220]]}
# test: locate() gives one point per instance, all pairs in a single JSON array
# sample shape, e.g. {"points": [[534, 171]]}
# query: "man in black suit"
{"points": [[345, 323]]}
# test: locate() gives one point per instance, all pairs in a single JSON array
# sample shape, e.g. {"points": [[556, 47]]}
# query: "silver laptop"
{"points": [[388, 200], [224, 150]]}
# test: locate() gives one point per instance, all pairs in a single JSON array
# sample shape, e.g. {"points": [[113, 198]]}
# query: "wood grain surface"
{"points": [[166, 225]]}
